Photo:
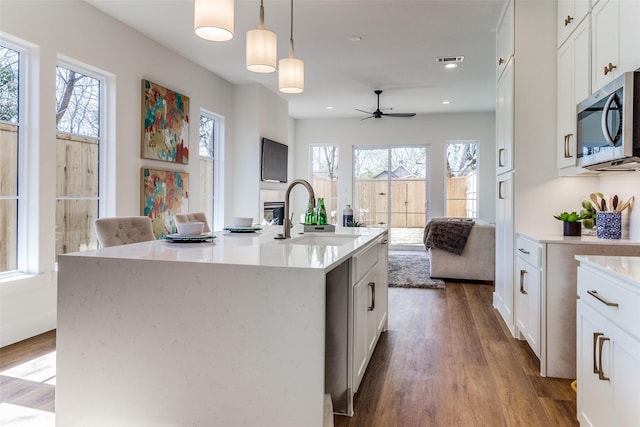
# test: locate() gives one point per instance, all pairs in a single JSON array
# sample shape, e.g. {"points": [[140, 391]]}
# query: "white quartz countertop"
{"points": [[626, 268], [575, 240], [249, 249]]}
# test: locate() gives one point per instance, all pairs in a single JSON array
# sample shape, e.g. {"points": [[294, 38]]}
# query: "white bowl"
{"points": [[241, 221], [190, 228]]}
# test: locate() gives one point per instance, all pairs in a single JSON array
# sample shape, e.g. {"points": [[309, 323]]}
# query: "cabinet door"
{"points": [[382, 287], [605, 35], [504, 40], [574, 85], [504, 120], [624, 378], [594, 394], [504, 280], [570, 14], [528, 297], [364, 322]]}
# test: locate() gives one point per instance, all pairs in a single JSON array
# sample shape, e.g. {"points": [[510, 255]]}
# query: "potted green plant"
{"points": [[571, 223]]}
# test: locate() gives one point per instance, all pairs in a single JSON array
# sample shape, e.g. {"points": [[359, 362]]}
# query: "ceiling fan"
{"points": [[378, 114]]}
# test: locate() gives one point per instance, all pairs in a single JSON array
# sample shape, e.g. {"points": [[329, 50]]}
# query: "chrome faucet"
{"points": [[286, 221]]}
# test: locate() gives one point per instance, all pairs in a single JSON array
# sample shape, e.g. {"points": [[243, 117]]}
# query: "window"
{"points": [[462, 180], [11, 86], [324, 178], [209, 132], [78, 125]]}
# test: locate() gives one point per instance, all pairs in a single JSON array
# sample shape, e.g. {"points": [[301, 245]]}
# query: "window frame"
{"points": [[22, 263], [477, 179], [215, 221]]}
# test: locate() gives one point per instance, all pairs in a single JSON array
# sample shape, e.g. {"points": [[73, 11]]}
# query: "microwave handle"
{"points": [[605, 126]]}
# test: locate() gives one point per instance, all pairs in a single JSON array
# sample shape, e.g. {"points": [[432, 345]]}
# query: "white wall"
{"points": [[435, 130], [80, 34]]}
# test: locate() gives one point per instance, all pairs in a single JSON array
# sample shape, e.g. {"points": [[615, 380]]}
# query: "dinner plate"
{"points": [[178, 238], [243, 229]]}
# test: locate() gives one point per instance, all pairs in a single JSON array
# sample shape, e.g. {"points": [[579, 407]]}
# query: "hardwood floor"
{"points": [[448, 360], [34, 390]]}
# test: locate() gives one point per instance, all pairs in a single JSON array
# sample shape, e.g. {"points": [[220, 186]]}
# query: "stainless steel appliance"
{"points": [[274, 213], [608, 126]]}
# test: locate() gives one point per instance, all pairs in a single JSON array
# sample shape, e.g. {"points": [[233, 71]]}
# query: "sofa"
{"points": [[477, 261]]}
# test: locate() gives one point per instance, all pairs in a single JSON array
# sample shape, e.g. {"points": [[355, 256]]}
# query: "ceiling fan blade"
{"points": [[370, 117], [399, 114], [362, 111]]}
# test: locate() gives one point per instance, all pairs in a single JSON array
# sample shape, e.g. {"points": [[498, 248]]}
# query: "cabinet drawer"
{"points": [[529, 251], [612, 300], [364, 261]]}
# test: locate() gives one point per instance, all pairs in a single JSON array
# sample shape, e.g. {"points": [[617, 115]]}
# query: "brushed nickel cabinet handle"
{"points": [[372, 307], [596, 369], [602, 300], [500, 196], [524, 251], [522, 273], [500, 61], [601, 375], [500, 157], [567, 20]]}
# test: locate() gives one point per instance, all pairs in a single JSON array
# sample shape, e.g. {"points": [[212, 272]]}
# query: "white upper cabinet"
{"points": [[574, 85], [615, 35], [504, 42], [570, 15], [504, 120]]}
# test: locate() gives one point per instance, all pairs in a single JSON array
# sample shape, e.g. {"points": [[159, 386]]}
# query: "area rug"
{"points": [[410, 269]]}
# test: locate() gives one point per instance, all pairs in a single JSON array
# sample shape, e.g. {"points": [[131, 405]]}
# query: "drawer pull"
{"points": [[601, 299], [522, 273], [372, 307], [524, 251], [601, 375], [596, 370]]}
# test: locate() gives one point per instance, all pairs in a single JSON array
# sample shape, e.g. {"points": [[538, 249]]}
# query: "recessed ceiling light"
{"points": [[329, 107], [446, 102], [451, 65], [355, 38]]}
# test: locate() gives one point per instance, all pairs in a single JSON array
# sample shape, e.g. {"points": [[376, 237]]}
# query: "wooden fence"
{"points": [[9, 189]]}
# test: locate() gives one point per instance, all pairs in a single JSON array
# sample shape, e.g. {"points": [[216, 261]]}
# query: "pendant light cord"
{"points": [[261, 25], [291, 38]]}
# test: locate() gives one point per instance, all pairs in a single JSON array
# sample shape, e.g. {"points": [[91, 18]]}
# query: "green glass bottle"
{"points": [[321, 213], [310, 215]]}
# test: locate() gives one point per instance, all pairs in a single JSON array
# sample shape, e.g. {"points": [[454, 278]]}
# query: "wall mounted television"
{"points": [[274, 161]]}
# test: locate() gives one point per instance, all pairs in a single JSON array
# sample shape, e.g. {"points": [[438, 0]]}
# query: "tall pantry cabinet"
{"points": [[525, 131]]}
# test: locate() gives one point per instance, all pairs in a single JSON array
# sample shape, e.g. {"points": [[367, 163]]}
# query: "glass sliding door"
{"points": [[390, 190]]}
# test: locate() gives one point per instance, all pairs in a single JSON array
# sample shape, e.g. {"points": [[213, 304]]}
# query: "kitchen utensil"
{"points": [[603, 205], [614, 204], [594, 201]]}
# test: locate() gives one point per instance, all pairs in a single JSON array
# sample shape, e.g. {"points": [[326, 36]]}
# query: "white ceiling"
{"points": [[401, 41]]}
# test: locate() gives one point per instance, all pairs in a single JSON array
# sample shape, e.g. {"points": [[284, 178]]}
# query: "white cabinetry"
{"points": [[503, 298], [574, 85], [570, 15], [504, 39], [504, 120], [608, 348], [615, 34], [369, 305], [528, 262]]}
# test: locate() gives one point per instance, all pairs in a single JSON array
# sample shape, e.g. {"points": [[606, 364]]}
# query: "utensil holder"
{"points": [[609, 225]]}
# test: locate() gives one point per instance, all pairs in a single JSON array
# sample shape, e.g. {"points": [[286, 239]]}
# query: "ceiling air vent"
{"points": [[450, 59]]}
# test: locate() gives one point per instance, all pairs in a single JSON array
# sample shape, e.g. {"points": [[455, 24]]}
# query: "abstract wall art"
{"points": [[165, 124], [164, 194]]}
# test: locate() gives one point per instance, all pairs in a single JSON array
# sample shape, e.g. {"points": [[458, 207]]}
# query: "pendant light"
{"points": [[291, 69], [213, 19], [262, 48]]}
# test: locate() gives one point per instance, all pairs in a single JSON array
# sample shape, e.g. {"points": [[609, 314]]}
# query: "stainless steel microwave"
{"points": [[608, 126]]}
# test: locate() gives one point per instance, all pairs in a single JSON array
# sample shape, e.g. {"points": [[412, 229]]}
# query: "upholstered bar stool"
{"points": [[123, 230]]}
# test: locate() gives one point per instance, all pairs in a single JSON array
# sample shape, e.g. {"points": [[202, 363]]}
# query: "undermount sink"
{"points": [[322, 240]]}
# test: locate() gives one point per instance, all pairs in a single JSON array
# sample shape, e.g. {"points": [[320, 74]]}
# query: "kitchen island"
{"points": [[245, 330]]}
